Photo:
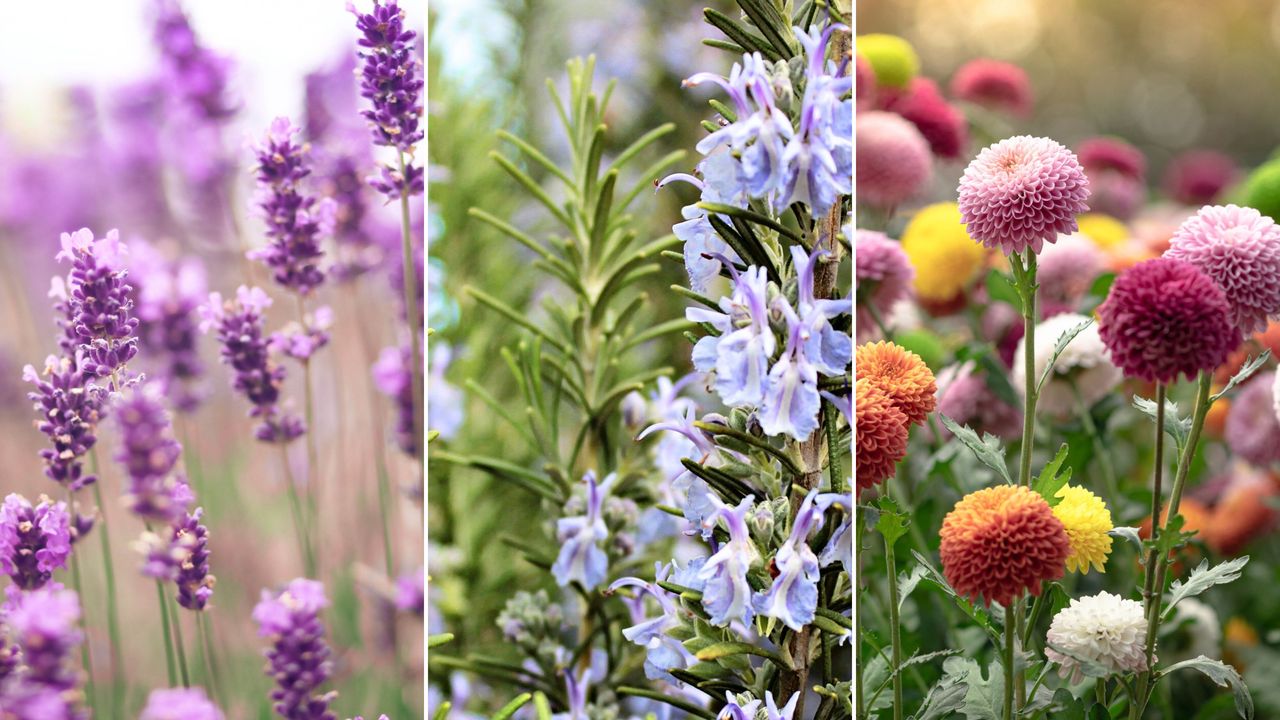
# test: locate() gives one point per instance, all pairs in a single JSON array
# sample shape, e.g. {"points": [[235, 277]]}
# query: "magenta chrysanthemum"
{"points": [[1239, 248], [1165, 318], [938, 121], [883, 276], [893, 161], [1198, 177], [1252, 424], [1068, 268], [1020, 192], [995, 85], [1101, 154]]}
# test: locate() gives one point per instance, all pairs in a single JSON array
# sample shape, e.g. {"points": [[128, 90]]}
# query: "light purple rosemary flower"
{"points": [[69, 408], [34, 541], [391, 79], [791, 402], [829, 350], [726, 594], [45, 625], [704, 249], [683, 439], [818, 160], [737, 709], [298, 658], [411, 591], [786, 712], [99, 301], [168, 293], [839, 547], [239, 328], [740, 354], [149, 454], [295, 219], [662, 651], [581, 559], [793, 596], [180, 704], [445, 402]]}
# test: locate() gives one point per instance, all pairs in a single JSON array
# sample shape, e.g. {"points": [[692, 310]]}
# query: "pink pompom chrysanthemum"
{"points": [[1101, 154], [1239, 248], [1199, 177], [965, 396], [938, 121], [893, 160], [864, 83], [995, 85], [883, 276], [1068, 268], [1117, 176], [1022, 191], [1252, 426], [1165, 318]]}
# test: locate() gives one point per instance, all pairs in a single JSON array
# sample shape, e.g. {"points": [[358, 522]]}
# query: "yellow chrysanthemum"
{"points": [[945, 258], [892, 59], [1087, 521], [1105, 231]]}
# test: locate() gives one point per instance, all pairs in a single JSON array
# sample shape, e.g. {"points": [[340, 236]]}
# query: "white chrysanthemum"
{"points": [[1105, 629], [1085, 363], [1196, 631]]}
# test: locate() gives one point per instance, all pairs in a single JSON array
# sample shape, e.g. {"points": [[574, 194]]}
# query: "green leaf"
{"points": [[892, 523], [987, 449], [1130, 534], [944, 698], [1243, 374], [979, 615], [984, 696], [727, 649], [788, 464], [438, 640], [674, 701], [1050, 481], [1203, 578], [442, 712], [1063, 341], [1222, 675], [1178, 428], [1001, 288], [510, 708], [907, 582], [541, 706]]}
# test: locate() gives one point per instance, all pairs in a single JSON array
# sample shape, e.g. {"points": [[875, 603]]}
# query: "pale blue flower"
{"points": [[662, 652], [791, 403], [726, 594], [793, 596], [740, 354], [732, 710], [818, 157], [839, 546], [829, 350], [581, 559]]}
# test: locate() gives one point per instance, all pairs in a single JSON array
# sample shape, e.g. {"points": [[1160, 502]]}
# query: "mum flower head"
{"points": [[1021, 192], [880, 430], [1001, 542], [942, 125], [946, 259], [1082, 373], [1088, 522], [894, 161], [1239, 248], [995, 85], [883, 276], [965, 396], [900, 374], [1252, 425], [1067, 269], [1103, 629], [1199, 177], [1164, 318]]}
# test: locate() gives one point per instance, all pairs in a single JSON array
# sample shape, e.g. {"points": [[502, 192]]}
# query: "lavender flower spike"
{"points": [[149, 454], [34, 541], [298, 658], [69, 407], [100, 305], [295, 219], [391, 79], [726, 596], [195, 583], [44, 623], [246, 350], [581, 559], [180, 704]]}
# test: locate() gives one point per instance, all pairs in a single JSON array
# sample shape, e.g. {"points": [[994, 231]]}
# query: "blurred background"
{"points": [[140, 115], [1166, 75]]}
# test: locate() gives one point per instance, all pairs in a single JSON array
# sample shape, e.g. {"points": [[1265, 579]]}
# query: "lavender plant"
{"points": [[749, 616]]}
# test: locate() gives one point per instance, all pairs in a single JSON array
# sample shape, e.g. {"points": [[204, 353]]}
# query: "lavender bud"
{"points": [[298, 658], [34, 541], [295, 219], [391, 79], [69, 407]]}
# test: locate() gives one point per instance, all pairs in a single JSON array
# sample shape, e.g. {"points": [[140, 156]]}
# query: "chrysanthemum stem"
{"points": [[895, 631], [86, 654], [162, 603], [412, 318], [1157, 499], [1026, 280], [1010, 638], [299, 519]]}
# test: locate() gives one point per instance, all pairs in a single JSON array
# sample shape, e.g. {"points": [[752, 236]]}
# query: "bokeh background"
{"points": [[68, 133]]}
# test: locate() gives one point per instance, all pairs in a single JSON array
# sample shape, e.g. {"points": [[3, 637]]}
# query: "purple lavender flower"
{"points": [[819, 157], [99, 301], [791, 402], [298, 658], [726, 594], [662, 652], [168, 294], [793, 596], [392, 378], [295, 220], [740, 354], [195, 583], [44, 624], [342, 182], [329, 99], [581, 559], [391, 79], [136, 161], [302, 340], [411, 591], [10, 656], [149, 454], [69, 408], [34, 541], [194, 74], [180, 704], [239, 329]]}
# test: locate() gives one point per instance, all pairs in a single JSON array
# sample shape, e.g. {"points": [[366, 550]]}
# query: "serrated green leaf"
{"points": [[987, 449], [984, 696], [1130, 534], [1060, 345], [1243, 374], [1203, 578], [892, 522], [907, 582], [1222, 675], [1050, 481], [1176, 426]]}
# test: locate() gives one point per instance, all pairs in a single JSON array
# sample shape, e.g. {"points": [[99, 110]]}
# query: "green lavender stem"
{"points": [[308, 391], [113, 607], [211, 658], [180, 648], [299, 518], [170, 663], [411, 314], [86, 653]]}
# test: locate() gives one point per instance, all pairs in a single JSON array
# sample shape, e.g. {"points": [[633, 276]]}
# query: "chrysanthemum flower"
{"points": [[1000, 542], [1022, 191], [1099, 154], [1105, 629], [1068, 268], [1087, 521], [1117, 175], [1252, 425], [893, 59], [1165, 318], [881, 431], [964, 396], [864, 83], [882, 275], [901, 375], [1239, 249], [894, 163], [1084, 366], [1199, 177], [1243, 513], [946, 260], [945, 127], [993, 84], [1105, 231]]}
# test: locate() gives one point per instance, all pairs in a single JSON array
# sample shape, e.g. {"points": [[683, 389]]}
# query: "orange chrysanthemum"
{"points": [[1241, 514], [901, 375], [881, 431], [1000, 542]]}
